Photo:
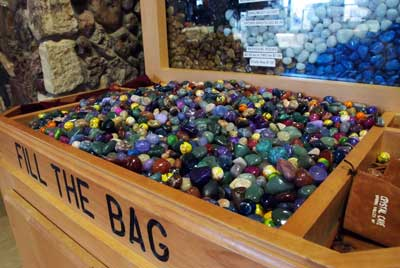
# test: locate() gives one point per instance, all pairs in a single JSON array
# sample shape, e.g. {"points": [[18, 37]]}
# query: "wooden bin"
{"points": [[117, 218]]}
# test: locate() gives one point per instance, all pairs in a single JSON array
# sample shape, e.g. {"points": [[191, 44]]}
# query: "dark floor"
{"points": [[8, 252]]}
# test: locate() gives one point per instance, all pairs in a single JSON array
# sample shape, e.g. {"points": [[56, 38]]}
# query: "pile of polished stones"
{"points": [[256, 151]]}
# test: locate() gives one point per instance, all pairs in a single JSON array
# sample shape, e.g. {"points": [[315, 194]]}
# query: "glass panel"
{"points": [[346, 40]]}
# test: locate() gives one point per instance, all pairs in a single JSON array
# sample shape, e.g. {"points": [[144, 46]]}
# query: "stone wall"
{"points": [[62, 46]]}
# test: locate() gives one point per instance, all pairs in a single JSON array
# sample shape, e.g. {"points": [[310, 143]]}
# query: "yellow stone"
{"points": [[94, 122], [268, 215], [259, 210], [123, 98], [185, 148], [97, 107], [256, 136], [166, 177], [68, 125]]}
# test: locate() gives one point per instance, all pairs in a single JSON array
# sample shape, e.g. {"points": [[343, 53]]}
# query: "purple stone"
{"points": [[161, 117], [234, 140], [148, 164], [318, 173], [316, 123], [202, 141], [153, 138], [298, 202], [121, 156], [353, 141], [142, 146], [230, 116], [221, 150], [335, 119], [200, 176]]}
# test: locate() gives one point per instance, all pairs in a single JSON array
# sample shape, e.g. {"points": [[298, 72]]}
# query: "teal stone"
{"points": [[267, 95], [208, 161], [156, 151], [297, 117], [333, 131], [109, 147], [253, 159], [133, 138], [201, 124], [293, 132], [199, 152], [305, 161], [221, 140], [241, 150], [136, 113], [334, 108], [209, 136], [73, 132], [306, 191], [174, 120], [111, 115], [156, 177], [280, 216], [254, 193], [278, 185], [97, 147], [299, 151], [277, 153], [263, 147], [328, 141], [85, 146], [283, 117]]}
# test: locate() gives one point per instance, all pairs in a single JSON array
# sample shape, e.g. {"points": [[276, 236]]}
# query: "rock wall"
{"points": [[60, 46]]}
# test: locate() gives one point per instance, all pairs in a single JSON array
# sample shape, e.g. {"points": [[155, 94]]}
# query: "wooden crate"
{"points": [[126, 220]]}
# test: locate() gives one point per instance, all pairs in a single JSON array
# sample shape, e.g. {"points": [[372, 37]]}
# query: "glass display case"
{"points": [[342, 40]]}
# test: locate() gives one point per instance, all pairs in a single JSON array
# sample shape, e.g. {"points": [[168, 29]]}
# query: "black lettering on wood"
{"points": [[56, 171], [150, 225], [70, 189], [83, 198], [33, 175], [26, 161], [42, 181], [17, 147], [134, 224], [115, 216]]}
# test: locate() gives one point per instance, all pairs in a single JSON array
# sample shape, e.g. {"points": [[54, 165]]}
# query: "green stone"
{"points": [[57, 133], [283, 117], [306, 191], [299, 151], [208, 161], [199, 152], [253, 159], [109, 147], [97, 147], [214, 127], [263, 147], [293, 132], [297, 117], [227, 179], [254, 193], [94, 132], [172, 140], [241, 150], [278, 185], [111, 115], [201, 124], [247, 176], [333, 131], [209, 136], [333, 108], [305, 161], [328, 141], [156, 151], [136, 113], [280, 216], [156, 177], [221, 140]]}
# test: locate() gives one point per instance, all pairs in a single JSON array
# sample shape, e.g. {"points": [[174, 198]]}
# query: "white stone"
{"points": [[392, 3], [380, 10], [289, 52], [344, 35], [313, 57], [334, 27], [62, 71], [287, 60], [318, 28], [362, 3], [321, 47], [392, 14], [318, 40], [48, 18], [303, 56], [361, 30], [326, 22], [385, 24], [331, 41], [300, 66], [229, 14], [320, 12], [373, 26], [309, 46], [325, 33]]}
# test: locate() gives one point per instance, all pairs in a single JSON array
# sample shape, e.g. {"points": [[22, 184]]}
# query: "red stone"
{"points": [[133, 163], [160, 166], [303, 178]]}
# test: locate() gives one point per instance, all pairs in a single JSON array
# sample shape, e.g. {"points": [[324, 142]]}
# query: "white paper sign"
{"points": [[263, 62], [263, 49], [262, 55], [263, 22], [263, 12]]}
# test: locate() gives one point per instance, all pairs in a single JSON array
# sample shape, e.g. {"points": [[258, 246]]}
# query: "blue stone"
{"points": [[362, 51], [325, 59], [367, 76], [354, 56], [338, 68], [347, 64], [200, 176], [380, 80], [277, 153], [377, 47], [353, 44], [392, 65], [377, 61], [387, 37], [364, 66]]}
